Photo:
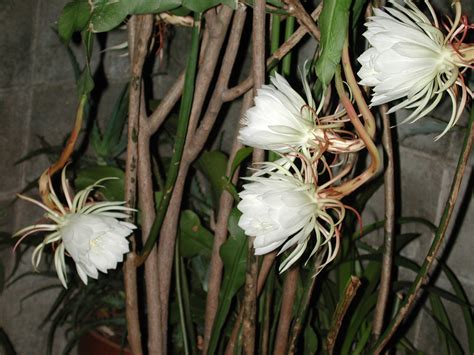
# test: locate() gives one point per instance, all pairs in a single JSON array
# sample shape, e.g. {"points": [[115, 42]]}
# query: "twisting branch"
{"points": [[423, 276], [286, 311], [267, 264], [296, 9], [225, 207], [389, 227], [170, 223], [349, 294], [246, 85], [353, 184]]}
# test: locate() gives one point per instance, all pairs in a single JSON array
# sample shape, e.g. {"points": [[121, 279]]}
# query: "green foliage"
{"points": [[110, 143], [194, 239], [333, 23], [213, 165], [112, 189], [74, 18], [234, 256]]}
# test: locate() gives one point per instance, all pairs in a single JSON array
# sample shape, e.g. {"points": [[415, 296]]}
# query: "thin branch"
{"points": [[144, 28], [286, 311], [225, 207], [389, 228], [170, 223], [251, 278], [267, 263], [302, 310], [137, 53], [423, 276], [341, 309], [240, 89], [297, 10]]}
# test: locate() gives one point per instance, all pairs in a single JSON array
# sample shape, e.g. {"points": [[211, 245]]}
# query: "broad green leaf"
{"points": [[213, 165], [194, 239], [85, 84], [108, 14], [113, 189], [74, 18], [333, 23], [203, 5], [234, 256], [240, 156], [310, 341]]}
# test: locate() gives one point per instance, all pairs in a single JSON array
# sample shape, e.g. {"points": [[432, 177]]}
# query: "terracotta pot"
{"points": [[94, 343]]}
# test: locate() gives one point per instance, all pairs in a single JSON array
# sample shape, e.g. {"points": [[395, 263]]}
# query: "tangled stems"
{"points": [[353, 184], [423, 276]]}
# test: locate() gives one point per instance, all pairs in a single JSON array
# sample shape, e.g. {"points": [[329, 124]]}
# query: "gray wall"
{"points": [[37, 98]]}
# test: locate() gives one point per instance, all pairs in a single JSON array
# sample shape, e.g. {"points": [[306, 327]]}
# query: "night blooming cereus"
{"points": [[282, 121], [280, 206], [89, 232], [411, 59], [283, 204]]}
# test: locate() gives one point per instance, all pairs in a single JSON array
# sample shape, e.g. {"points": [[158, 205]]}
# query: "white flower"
{"points": [[89, 232], [281, 209], [284, 122], [410, 58]]}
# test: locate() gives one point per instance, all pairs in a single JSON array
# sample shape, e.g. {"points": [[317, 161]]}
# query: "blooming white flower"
{"points": [[280, 208], [410, 58], [90, 232], [283, 121]]}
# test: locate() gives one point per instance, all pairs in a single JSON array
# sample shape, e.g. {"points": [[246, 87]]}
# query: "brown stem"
{"points": [[341, 309], [296, 9], [353, 184], [192, 149], [137, 53], [389, 228], [225, 207], [267, 263], [251, 278], [295, 38], [423, 276], [359, 97], [286, 311], [144, 28], [300, 317]]}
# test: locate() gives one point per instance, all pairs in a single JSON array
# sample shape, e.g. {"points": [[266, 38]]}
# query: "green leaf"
{"points": [[203, 5], [108, 14], [85, 84], [310, 341], [234, 256], [213, 165], [240, 156], [333, 23], [113, 189], [74, 18], [110, 145], [194, 239]]}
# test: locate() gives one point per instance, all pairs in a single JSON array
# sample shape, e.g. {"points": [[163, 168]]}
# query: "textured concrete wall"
{"points": [[37, 98]]}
